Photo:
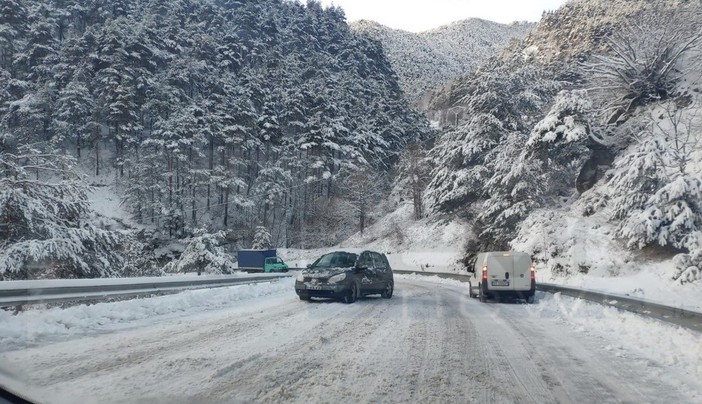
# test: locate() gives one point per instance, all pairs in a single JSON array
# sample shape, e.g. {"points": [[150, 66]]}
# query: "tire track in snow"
{"points": [[551, 363]]}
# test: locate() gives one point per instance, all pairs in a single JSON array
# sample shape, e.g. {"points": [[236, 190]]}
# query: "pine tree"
{"points": [[203, 254], [44, 211], [673, 216], [261, 239]]}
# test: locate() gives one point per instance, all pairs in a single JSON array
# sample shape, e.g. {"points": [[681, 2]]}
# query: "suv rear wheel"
{"points": [[389, 288]]}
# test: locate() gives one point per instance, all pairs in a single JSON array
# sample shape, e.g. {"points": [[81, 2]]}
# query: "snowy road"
{"points": [[429, 343]]}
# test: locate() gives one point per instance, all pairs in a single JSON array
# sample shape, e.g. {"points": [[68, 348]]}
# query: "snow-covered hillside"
{"points": [[430, 244], [223, 116], [581, 146], [427, 60]]}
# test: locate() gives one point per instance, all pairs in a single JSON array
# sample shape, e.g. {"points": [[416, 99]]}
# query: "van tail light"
{"points": [[533, 273], [485, 273]]}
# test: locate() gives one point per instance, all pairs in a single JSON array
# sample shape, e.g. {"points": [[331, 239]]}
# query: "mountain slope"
{"points": [[426, 60], [592, 122], [222, 115]]}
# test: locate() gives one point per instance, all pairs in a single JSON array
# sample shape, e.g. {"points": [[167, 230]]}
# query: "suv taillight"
{"points": [[485, 273]]}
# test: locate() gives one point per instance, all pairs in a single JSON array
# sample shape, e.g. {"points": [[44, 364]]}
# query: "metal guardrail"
{"points": [[41, 293], [251, 270], [674, 315], [444, 275]]}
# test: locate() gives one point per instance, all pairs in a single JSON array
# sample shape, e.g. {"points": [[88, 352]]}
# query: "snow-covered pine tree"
{"points": [[652, 189], [203, 254], [559, 143], [566, 122], [13, 19], [515, 188], [484, 158], [688, 266], [261, 239], [672, 216], [44, 220], [637, 175], [72, 121]]}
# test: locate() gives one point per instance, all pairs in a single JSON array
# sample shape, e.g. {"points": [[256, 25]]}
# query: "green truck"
{"points": [[260, 261]]}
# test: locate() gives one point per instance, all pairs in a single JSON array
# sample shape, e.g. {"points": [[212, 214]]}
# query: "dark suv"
{"points": [[346, 275]]}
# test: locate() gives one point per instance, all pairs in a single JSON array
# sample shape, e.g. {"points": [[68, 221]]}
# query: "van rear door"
{"points": [[522, 271], [500, 271]]}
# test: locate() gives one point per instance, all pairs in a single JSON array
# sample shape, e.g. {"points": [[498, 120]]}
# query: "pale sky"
{"points": [[421, 15]]}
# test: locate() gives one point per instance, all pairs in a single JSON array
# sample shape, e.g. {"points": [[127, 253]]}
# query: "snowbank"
{"points": [[648, 338], [34, 326], [579, 251]]}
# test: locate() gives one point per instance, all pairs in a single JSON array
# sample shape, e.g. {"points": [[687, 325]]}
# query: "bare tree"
{"points": [[362, 189], [680, 127], [413, 175]]}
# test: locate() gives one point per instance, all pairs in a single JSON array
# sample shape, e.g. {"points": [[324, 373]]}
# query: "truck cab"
{"points": [[275, 264]]}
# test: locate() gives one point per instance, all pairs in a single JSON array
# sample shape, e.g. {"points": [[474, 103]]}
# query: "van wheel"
{"points": [[531, 299], [351, 295], [387, 292], [481, 296]]}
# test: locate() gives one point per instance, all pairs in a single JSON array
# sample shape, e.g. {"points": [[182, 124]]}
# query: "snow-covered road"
{"points": [[429, 343]]}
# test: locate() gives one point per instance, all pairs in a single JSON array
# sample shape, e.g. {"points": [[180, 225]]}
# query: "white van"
{"points": [[503, 274]]}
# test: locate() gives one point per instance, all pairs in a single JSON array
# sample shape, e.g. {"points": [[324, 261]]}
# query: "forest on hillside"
{"points": [[204, 115], [595, 114], [427, 60]]}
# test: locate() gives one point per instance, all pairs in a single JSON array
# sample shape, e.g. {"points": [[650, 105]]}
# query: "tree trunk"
{"points": [[226, 206], [97, 158], [210, 166]]}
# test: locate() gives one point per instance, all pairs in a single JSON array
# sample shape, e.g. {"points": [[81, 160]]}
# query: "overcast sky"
{"points": [[421, 15]]}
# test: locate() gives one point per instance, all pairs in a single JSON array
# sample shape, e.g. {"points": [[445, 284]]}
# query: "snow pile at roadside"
{"points": [[573, 250], [660, 342], [30, 327]]}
